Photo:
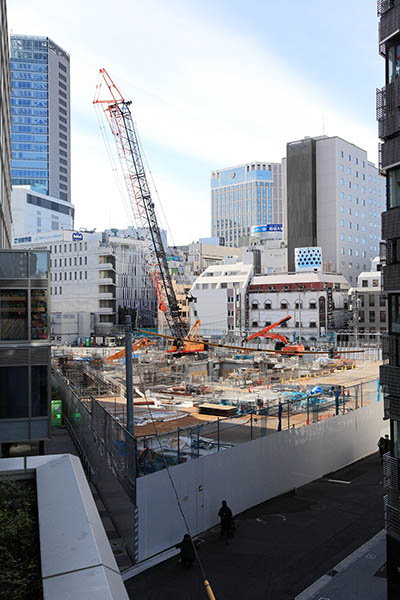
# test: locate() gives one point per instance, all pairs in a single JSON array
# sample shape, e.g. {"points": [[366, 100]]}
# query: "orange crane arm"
{"points": [[263, 332], [121, 353]]}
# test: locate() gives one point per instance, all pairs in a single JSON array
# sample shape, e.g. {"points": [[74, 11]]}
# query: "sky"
{"points": [[213, 84]]}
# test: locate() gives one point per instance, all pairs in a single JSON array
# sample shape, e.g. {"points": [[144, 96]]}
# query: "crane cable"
{"points": [[200, 564]]}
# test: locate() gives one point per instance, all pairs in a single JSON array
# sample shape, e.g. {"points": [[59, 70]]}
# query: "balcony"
{"points": [[391, 278], [392, 497], [389, 22], [390, 156], [391, 225], [390, 380], [387, 109]]}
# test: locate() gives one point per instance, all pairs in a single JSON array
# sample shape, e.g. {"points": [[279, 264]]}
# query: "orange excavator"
{"points": [[282, 342], [136, 346], [190, 344]]}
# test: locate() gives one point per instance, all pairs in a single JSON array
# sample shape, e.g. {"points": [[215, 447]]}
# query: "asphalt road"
{"points": [[281, 546]]}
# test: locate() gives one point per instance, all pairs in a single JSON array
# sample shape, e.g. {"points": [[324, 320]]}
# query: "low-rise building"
{"points": [[316, 302], [34, 212], [369, 304], [94, 278]]}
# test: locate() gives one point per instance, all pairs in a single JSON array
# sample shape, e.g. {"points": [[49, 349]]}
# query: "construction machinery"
{"points": [[192, 342], [143, 342], [282, 343], [119, 117]]}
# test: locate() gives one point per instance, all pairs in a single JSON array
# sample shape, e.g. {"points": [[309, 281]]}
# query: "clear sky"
{"points": [[213, 84]]}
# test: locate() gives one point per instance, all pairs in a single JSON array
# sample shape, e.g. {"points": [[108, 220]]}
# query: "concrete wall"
{"points": [[249, 474]]}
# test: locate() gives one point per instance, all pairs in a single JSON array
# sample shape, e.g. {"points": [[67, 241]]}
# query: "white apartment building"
{"points": [[220, 297], [92, 277], [369, 305], [334, 199], [34, 212]]}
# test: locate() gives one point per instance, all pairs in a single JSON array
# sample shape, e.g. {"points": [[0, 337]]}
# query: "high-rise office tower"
{"points": [[40, 116], [389, 132], [5, 173], [334, 199], [242, 196]]}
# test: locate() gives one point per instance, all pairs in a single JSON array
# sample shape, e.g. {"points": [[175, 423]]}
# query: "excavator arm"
{"points": [[263, 332]]}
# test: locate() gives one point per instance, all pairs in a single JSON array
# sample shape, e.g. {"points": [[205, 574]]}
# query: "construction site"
{"points": [[188, 406]]}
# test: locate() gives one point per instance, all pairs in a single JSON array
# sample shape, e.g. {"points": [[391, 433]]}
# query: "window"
{"points": [[349, 157], [371, 301], [298, 305], [313, 324], [267, 305], [254, 305], [284, 304], [13, 315], [382, 316], [313, 305], [341, 181], [254, 324], [267, 323], [394, 188], [375, 283], [393, 62], [341, 154], [39, 314], [14, 382], [371, 316], [39, 391]]}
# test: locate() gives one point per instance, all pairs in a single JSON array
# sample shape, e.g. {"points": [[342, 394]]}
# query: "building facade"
{"points": [[24, 346], [389, 132], [5, 125], [40, 116], [334, 199], [243, 196], [34, 212], [93, 277], [369, 304], [316, 302]]}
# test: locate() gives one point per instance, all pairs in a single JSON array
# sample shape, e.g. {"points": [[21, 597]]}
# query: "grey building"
{"points": [[5, 121], [389, 132], [94, 278], [40, 116], [24, 346], [243, 196], [369, 304], [334, 199]]}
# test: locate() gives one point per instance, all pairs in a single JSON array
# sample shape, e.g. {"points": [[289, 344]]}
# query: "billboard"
{"points": [[308, 259]]}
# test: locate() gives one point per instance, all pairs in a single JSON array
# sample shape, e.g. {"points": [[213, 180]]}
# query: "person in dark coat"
{"points": [[187, 551], [225, 514], [387, 444], [382, 447]]}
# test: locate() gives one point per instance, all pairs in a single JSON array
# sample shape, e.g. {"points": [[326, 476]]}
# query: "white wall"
{"points": [[251, 473]]}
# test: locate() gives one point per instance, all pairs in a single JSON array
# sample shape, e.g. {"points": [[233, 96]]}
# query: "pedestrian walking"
{"points": [[225, 514], [387, 445], [187, 551]]}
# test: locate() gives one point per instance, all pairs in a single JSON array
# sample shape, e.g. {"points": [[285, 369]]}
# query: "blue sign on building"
{"points": [[270, 227], [77, 236]]}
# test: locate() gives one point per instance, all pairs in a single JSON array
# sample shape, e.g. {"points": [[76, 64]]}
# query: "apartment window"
{"points": [[298, 305], [85, 274], [341, 250], [349, 184], [371, 301], [382, 316], [375, 283], [254, 324], [284, 304], [60, 290], [349, 157], [341, 181], [341, 167], [348, 171], [313, 324], [341, 154], [363, 164], [267, 305], [76, 276], [371, 316], [254, 305], [313, 305]]}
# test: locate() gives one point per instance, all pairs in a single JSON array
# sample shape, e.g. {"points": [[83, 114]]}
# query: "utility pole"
{"points": [[128, 374]]}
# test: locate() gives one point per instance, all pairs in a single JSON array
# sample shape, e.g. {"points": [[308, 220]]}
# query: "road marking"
{"points": [[339, 481]]}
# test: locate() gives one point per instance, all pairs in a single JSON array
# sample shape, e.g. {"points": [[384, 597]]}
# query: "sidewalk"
{"points": [[360, 576], [283, 546]]}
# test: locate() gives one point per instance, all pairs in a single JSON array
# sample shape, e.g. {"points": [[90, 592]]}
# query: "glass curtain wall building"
{"points": [[5, 121], [243, 196], [40, 116]]}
